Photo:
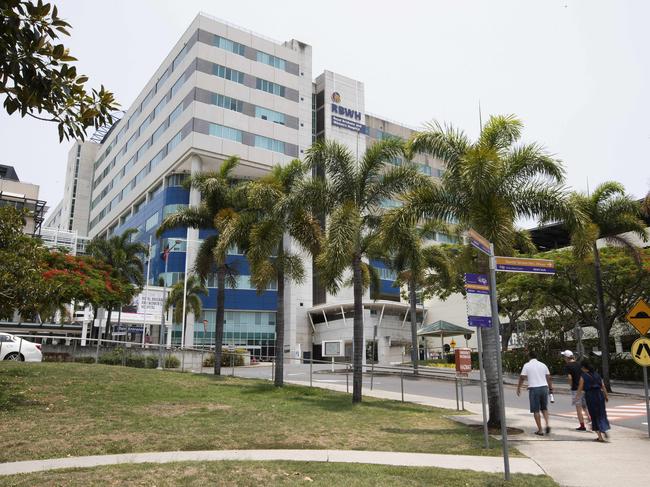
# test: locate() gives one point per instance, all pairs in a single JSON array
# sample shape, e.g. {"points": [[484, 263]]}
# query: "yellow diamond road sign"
{"points": [[639, 317], [641, 351]]}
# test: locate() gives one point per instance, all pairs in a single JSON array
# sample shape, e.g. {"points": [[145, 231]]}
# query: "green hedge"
{"points": [[120, 356], [226, 358], [85, 360]]}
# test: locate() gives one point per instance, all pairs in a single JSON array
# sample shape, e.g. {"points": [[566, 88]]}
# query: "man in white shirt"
{"points": [[540, 384]]}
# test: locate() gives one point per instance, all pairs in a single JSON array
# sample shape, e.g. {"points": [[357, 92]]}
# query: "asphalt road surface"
{"points": [[622, 410]]}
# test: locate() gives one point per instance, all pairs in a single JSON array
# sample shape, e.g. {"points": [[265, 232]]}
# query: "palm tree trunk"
{"points": [[218, 328], [490, 348], [414, 326], [357, 331], [279, 324], [604, 336]]}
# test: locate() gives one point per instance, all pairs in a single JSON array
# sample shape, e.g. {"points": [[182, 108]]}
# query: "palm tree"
{"points": [[351, 192], [416, 263], [219, 196], [272, 214], [124, 256], [488, 184], [611, 213], [195, 287]]}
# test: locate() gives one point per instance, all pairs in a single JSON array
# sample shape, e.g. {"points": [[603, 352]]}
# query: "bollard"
{"points": [[74, 349], [456, 388], [272, 369], [232, 364], [401, 379], [311, 361], [20, 347], [462, 396], [347, 382], [182, 360]]}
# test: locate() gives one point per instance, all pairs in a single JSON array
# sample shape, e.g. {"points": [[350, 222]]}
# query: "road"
{"points": [[622, 411]]}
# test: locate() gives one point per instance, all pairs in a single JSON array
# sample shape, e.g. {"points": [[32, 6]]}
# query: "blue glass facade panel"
{"points": [[386, 285]]}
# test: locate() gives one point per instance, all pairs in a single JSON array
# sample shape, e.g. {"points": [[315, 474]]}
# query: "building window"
{"points": [[159, 131], [227, 102], [225, 132], [176, 180], [174, 115], [178, 84], [270, 87], [270, 144], [176, 139], [270, 115], [171, 209], [152, 221], [228, 45], [147, 98], [386, 274], [228, 73], [156, 159], [426, 170], [144, 149], [181, 246], [271, 60], [160, 107]]}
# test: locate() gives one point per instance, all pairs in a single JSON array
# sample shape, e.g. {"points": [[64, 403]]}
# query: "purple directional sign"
{"points": [[479, 312]]}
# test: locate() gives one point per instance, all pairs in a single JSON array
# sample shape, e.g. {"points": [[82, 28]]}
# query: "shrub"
{"points": [[85, 360], [226, 358], [172, 362], [150, 362]]}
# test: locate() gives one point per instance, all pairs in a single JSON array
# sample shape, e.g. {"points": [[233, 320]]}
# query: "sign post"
{"points": [[484, 245], [639, 318], [479, 314]]}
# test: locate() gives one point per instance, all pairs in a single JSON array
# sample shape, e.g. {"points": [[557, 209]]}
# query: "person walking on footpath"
{"points": [[573, 370], [591, 384], [540, 384]]}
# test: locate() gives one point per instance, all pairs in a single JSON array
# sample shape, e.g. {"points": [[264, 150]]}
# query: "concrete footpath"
{"points": [[459, 462], [571, 457]]}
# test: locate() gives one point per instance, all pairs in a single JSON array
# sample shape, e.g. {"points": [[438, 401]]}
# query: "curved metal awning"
{"points": [[442, 328]]}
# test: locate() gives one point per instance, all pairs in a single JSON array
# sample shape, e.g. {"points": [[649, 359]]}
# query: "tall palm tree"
{"points": [[124, 256], [610, 213], [351, 192], [416, 263], [195, 287], [488, 184], [274, 215], [219, 196]]}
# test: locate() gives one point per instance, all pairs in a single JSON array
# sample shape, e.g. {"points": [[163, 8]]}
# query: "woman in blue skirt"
{"points": [[595, 393]]}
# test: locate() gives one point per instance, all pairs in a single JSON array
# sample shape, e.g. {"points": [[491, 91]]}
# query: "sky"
{"points": [[576, 72]]}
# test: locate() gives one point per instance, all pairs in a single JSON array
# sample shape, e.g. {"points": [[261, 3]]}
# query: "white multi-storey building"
{"points": [[225, 91]]}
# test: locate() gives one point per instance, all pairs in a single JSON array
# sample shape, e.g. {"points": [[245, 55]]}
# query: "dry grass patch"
{"points": [[60, 409], [269, 474]]}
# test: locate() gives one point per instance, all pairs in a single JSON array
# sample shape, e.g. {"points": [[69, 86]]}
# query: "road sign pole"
{"points": [[495, 330], [482, 386], [647, 399]]}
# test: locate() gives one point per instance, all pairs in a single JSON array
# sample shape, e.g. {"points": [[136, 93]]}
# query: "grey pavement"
{"points": [[458, 462]]}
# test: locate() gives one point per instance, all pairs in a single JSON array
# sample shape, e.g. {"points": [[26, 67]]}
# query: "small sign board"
{"points": [[463, 361], [641, 351], [332, 348], [639, 317], [479, 311], [530, 266], [478, 241]]}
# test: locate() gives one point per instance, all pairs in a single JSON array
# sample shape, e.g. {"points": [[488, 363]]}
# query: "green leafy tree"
{"points": [[21, 265], [220, 196], [488, 185], [36, 76], [573, 288], [611, 213], [417, 264], [517, 297], [351, 192], [125, 259], [195, 288], [274, 215]]}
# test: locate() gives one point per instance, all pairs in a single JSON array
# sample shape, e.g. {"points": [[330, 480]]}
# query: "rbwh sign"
{"points": [[349, 116]]}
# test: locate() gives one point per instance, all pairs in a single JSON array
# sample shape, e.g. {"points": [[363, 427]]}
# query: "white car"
{"points": [[19, 349]]}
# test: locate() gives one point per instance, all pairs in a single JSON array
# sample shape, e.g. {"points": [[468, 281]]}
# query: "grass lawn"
{"points": [[53, 410], [255, 474]]}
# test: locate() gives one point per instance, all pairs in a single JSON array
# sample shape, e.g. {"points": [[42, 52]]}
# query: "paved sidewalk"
{"points": [[458, 462], [571, 457]]}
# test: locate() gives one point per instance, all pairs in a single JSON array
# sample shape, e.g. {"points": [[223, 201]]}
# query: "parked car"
{"points": [[16, 348]]}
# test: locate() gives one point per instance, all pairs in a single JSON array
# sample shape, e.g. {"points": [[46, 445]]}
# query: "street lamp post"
{"points": [[166, 253]]}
